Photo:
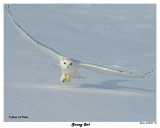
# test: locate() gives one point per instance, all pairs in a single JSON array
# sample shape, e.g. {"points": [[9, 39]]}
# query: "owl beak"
{"points": [[67, 66]]}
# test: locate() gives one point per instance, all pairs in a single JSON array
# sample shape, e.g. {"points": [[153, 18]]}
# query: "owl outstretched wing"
{"points": [[42, 47], [107, 70]]}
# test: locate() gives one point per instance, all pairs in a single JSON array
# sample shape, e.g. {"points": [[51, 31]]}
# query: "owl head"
{"points": [[66, 63]]}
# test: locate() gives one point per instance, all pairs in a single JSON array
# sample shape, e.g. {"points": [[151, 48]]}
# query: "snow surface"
{"points": [[117, 36]]}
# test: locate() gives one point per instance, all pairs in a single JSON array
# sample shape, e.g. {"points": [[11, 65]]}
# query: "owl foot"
{"points": [[65, 78]]}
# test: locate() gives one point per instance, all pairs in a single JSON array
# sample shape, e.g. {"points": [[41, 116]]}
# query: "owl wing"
{"points": [[41, 46], [107, 70]]}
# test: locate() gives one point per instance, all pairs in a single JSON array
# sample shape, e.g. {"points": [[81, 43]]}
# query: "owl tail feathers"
{"points": [[77, 76]]}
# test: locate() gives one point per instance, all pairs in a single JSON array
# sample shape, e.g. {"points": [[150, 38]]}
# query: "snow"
{"points": [[117, 36]]}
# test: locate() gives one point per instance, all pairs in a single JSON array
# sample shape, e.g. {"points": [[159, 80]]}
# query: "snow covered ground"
{"points": [[118, 36]]}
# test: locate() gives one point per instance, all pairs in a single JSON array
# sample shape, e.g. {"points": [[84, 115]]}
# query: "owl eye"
{"points": [[64, 62], [70, 63]]}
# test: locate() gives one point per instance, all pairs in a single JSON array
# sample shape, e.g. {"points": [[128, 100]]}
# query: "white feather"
{"points": [[107, 70], [42, 47]]}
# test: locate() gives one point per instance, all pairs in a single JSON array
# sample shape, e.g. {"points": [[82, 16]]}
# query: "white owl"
{"points": [[68, 66]]}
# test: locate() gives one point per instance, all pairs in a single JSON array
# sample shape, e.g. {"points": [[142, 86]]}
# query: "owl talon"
{"points": [[65, 78], [62, 79]]}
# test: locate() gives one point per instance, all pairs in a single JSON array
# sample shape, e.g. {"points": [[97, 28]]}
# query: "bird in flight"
{"points": [[68, 66]]}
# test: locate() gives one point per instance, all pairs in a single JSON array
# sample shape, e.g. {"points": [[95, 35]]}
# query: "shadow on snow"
{"points": [[113, 84]]}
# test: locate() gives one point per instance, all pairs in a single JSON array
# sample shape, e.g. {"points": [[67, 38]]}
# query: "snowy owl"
{"points": [[68, 66]]}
